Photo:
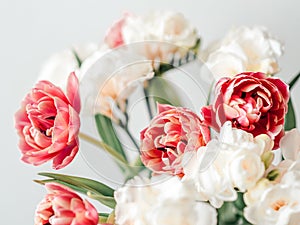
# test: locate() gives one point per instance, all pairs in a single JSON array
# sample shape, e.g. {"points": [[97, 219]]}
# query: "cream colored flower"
{"points": [[167, 201], [290, 145], [232, 161], [58, 67], [278, 205], [250, 49], [109, 77], [170, 31], [213, 184], [254, 194], [117, 88], [245, 169]]}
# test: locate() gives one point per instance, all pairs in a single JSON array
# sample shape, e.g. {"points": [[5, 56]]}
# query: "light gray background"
{"points": [[31, 30]]}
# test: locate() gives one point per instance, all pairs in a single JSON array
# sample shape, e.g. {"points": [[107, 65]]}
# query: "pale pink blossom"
{"points": [[114, 35], [48, 124]]}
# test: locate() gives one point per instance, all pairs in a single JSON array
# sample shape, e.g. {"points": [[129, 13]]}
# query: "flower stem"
{"points": [[146, 93], [125, 128], [104, 146], [131, 138], [210, 93], [91, 140]]}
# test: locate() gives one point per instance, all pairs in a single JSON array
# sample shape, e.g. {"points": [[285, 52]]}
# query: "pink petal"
{"points": [[73, 91]]}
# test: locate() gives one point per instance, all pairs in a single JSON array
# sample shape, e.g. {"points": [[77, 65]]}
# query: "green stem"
{"points": [[294, 80], [102, 145], [132, 138], [146, 93], [79, 61], [209, 93]]}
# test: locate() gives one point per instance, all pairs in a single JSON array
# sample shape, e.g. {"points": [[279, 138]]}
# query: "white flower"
{"points": [[292, 176], [275, 202], [59, 66], [171, 31], [118, 87], [278, 205], [245, 169], [290, 145], [166, 26], [166, 201], [110, 78], [232, 161], [212, 184], [254, 194], [243, 49]]}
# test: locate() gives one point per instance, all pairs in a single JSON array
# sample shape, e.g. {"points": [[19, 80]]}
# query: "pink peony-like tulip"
{"points": [[252, 102], [61, 206], [48, 124], [114, 36], [170, 134]]}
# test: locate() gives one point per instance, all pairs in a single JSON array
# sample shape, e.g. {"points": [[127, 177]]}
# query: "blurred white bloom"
{"points": [[166, 201], [58, 67], [109, 77], [235, 162], [170, 27], [171, 31], [243, 49], [278, 205], [290, 145], [117, 88]]}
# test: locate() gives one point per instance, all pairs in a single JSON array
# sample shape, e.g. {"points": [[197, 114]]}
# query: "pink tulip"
{"points": [[61, 206], [114, 36], [48, 124], [252, 102], [170, 134]]}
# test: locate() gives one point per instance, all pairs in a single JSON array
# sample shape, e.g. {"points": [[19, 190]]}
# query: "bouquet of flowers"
{"points": [[218, 143]]}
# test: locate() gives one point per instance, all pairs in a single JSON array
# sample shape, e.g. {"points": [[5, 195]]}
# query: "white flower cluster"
{"points": [[236, 163], [161, 200], [164, 26], [278, 201]]}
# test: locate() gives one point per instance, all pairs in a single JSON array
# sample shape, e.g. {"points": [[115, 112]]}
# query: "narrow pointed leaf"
{"points": [[105, 200], [108, 135], [82, 183], [163, 92], [294, 81]]}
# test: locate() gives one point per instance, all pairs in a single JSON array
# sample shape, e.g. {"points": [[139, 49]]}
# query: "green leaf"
{"points": [[231, 213], [105, 200], [290, 118], [83, 183], [79, 62], [293, 81], [196, 46], [108, 135], [91, 188], [103, 217], [163, 92]]}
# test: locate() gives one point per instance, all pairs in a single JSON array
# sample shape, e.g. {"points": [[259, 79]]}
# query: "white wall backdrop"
{"points": [[33, 29]]}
